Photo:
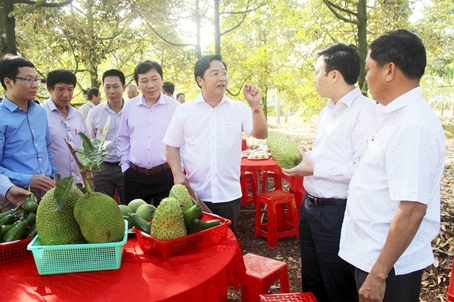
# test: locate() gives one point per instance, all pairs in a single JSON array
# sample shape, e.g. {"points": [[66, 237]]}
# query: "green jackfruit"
{"points": [[99, 218], [180, 193], [284, 151], [58, 227], [168, 222]]}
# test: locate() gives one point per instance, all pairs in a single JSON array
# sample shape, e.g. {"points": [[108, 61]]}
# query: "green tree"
{"points": [[12, 9]]}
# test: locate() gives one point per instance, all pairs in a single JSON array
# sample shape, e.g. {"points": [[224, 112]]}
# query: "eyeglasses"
{"points": [[218, 75], [30, 80]]}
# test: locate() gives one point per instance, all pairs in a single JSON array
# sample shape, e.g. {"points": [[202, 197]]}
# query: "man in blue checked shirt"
{"points": [[24, 135]]}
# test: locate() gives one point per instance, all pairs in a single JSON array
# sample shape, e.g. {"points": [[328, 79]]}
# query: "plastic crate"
{"points": [[293, 297], [71, 258], [14, 250], [185, 244]]}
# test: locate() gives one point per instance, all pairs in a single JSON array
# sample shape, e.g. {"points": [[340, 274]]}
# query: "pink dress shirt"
{"points": [[142, 129]]}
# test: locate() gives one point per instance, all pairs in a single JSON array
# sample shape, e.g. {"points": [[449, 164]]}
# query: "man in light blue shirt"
{"points": [[10, 195], [24, 135]]}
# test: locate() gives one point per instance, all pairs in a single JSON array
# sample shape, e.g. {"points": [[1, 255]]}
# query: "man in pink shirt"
{"points": [[143, 124]]}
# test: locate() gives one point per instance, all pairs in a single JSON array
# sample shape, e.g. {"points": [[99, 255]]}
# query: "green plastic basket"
{"points": [[72, 258]]}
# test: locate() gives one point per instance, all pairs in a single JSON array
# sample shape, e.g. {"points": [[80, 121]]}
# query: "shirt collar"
{"points": [[52, 107], [201, 99], [13, 107], [161, 100], [348, 98], [403, 100]]}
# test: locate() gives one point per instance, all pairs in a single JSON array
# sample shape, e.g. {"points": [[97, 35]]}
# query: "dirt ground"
{"points": [[436, 277]]}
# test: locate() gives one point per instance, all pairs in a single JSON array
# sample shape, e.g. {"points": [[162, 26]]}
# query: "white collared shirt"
{"points": [[62, 128], [212, 141], [96, 120], [85, 108], [342, 130], [403, 160]]}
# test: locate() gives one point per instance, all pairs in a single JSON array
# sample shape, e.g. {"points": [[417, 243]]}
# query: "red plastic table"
{"points": [[255, 166], [202, 275]]}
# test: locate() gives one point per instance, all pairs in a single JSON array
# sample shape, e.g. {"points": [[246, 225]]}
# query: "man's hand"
{"points": [[42, 182], [252, 95], [305, 167], [373, 289], [17, 195]]}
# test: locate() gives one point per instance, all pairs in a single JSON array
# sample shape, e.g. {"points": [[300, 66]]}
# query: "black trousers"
{"points": [[401, 288], [229, 210], [324, 273], [151, 188]]}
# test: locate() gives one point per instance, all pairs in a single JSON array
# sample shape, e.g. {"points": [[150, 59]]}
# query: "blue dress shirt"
{"points": [[24, 143]]}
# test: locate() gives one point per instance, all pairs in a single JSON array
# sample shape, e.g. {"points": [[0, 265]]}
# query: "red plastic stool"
{"points": [[294, 297], [270, 174], [279, 224], [451, 285], [243, 144], [248, 183], [261, 273]]}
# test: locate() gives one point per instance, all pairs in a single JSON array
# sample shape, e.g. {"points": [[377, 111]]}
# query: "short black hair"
{"points": [[404, 49], [344, 58], [9, 67], [180, 93], [203, 64], [146, 66], [114, 73], [92, 92], [60, 76], [168, 87]]}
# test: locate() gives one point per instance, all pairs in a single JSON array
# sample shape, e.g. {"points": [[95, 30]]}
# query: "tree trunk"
{"points": [[217, 28], [362, 43], [198, 24], [7, 28]]}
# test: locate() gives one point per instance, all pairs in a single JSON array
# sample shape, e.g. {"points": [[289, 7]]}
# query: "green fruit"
{"points": [[99, 218], [146, 212], [30, 207], [58, 227], [134, 204], [180, 193], [168, 222], [284, 151], [124, 209]]}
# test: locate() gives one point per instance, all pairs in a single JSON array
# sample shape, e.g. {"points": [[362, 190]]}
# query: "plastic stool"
{"points": [[278, 225], [294, 297], [261, 273], [243, 144], [248, 183], [270, 174]]}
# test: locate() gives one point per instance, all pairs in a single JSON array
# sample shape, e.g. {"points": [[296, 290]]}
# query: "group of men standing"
{"points": [[372, 178]]}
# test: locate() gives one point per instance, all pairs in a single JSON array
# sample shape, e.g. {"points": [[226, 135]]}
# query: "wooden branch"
{"points": [[332, 7], [33, 5]]}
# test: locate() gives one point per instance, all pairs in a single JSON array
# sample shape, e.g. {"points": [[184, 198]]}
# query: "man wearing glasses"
{"points": [[25, 156]]}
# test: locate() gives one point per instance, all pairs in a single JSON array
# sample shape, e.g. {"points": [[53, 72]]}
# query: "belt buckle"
{"points": [[313, 200]]}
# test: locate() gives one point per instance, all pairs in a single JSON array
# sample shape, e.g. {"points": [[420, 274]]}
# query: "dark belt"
{"points": [[317, 201], [111, 164], [150, 171]]}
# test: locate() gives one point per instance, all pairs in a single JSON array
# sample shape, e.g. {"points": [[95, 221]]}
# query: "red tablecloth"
{"points": [[199, 276]]}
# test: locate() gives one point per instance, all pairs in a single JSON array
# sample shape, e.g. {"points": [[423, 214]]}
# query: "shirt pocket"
{"points": [[230, 133]]}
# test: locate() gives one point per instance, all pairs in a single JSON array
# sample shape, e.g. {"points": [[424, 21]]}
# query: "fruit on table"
{"points": [[16, 232], [58, 227], [125, 210], [99, 218], [139, 223], [284, 151], [190, 215], [146, 211], [168, 222], [135, 203], [180, 193]]}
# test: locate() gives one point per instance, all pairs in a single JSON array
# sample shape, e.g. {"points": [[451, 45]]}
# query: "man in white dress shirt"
{"points": [[209, 128], [93, 100], [110, 179], [342, 130], [393, 209], [65, 122]]}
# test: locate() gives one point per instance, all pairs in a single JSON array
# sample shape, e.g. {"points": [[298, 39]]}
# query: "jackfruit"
{"points": [[99, 218], [168, 222], [284, 151], [180, 193], [58, 227]]}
